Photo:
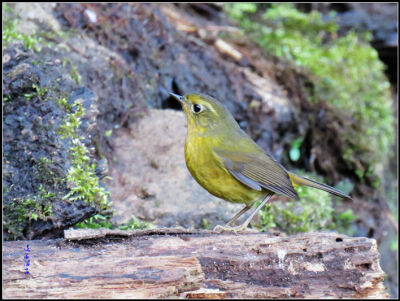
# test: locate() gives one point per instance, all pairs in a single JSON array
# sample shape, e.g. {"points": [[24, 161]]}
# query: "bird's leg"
{"points": [[248, 220], [244, 225], [239, 214]]}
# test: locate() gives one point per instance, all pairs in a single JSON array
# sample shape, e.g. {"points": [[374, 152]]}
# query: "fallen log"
{"points": [[162, 263]]}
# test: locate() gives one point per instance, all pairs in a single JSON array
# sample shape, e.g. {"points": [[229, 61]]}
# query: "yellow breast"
{"points": [[210, 173]]}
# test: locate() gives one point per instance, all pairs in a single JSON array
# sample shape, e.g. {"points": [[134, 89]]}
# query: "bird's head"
{"points": [[204, 112]]}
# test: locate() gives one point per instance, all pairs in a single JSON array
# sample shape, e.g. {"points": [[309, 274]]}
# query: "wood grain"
{"points": [[162, 263]]}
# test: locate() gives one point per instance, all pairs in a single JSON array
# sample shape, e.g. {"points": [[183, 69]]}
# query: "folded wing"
{"points": [[257, 170]]}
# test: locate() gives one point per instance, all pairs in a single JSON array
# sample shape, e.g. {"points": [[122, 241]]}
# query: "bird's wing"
{"points": [[257, 170]]}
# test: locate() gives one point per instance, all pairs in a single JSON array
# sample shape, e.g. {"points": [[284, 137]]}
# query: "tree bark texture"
{"points": [[162, 263]]}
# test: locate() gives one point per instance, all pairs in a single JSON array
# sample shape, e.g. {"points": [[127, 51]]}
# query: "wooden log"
{"points": [[162, 263]]}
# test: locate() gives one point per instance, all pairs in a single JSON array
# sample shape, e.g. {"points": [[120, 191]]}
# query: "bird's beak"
{"points": [[178, 97]]}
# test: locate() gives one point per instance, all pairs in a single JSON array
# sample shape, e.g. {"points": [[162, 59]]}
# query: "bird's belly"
{"points": [[217, 180]]}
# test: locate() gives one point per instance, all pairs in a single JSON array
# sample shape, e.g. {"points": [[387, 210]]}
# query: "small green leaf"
{"points": [[108, 133], [294, 154]]}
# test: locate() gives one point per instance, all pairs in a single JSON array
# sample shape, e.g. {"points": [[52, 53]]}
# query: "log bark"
{"points": [[162, 263]]}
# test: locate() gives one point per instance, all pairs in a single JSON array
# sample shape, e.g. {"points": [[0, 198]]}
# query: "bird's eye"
{"points": [[196, 108]]}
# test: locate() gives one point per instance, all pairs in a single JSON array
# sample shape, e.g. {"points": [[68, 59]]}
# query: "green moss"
{"points": [[343, 222], [46, 174], [205, 224], [136, 224], [39, 92], [63, 102], [37, 207], [108, 133], [73, 70], [10, 33], [82, 179], [95, 222], [347, 73], [32, 208], [33, 41], [71, 121], [313, 212], [99, 221]]}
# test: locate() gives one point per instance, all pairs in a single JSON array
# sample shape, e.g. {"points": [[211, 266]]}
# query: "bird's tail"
{"points": [[298, 180]]}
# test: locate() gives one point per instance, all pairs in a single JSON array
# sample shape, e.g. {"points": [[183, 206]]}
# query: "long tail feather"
{"points": [[298, 180]]}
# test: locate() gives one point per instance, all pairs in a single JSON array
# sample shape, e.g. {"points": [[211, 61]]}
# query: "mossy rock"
{"points": [[40, 195]]}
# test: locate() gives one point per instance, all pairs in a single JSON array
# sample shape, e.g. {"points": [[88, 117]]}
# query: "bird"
{"points": [[226, 162]]}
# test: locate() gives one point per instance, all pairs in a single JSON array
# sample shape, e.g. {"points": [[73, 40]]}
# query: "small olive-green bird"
{"points": [[229, 164]]}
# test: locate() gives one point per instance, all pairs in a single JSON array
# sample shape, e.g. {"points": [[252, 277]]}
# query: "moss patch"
{"points": [[10, 33], [49, 176], [81, 177], [32, 208], [99, 221], [346, 73], [313, 212]]}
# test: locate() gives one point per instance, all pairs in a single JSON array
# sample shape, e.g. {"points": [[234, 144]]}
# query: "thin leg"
{"points": [[247, 221], [239, 214]]}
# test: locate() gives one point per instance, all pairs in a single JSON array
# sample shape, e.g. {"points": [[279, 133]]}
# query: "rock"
{"points": [[150, 178], [33, 13], [36, 158]]}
